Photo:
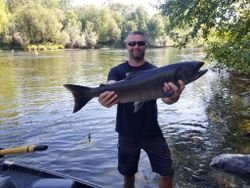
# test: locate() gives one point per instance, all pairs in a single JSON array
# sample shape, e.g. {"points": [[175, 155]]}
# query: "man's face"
{"points": [[136, 46]]}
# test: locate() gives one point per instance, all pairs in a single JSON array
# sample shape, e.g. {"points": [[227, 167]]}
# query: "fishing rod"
{"points": [[22, 149]]}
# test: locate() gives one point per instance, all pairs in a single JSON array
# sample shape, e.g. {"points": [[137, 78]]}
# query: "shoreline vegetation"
{"points": [[52, 47]]}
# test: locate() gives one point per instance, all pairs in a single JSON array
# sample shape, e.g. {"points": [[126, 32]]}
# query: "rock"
{"points": [[238, 164]]}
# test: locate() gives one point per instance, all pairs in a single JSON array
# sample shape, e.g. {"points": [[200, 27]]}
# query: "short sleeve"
{"points": [[113, 75]]}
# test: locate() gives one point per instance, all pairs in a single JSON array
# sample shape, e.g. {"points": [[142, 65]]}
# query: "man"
{"points": [[140, 130]]}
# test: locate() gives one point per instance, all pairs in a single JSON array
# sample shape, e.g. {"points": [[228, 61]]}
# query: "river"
{"points": [[212, 117]]}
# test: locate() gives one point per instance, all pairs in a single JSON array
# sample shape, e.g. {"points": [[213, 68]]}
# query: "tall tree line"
{"points": [[24, 22]]}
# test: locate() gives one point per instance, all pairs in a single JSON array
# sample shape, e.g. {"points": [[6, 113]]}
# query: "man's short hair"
{"points": [[136, 33]]}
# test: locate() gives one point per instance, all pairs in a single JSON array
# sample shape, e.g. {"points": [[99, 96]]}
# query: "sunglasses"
{"points": [[139, 43]]}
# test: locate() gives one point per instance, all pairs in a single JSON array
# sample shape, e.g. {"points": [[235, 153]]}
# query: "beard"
{"points": [[137, 55]]}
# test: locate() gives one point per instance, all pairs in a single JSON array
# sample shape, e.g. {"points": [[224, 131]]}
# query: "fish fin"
{"points": [[80, 94], [137, 106]]}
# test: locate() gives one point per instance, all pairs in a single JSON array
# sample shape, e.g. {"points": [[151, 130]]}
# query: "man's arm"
{"points": [[108, 98], [177, 91]]}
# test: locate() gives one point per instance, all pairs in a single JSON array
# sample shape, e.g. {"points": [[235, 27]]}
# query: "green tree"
{"points": [[71, 20], [137, 18], [16, 4], [108, 30], [156, 31], [90, 34], [37, 24], [122, 13], [141, 18], [5, 25], [72, 26], [227, 22], [5, 16], [86, 14], [127, 27], [65, 5]]}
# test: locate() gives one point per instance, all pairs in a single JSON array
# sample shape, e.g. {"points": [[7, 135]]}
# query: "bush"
{"points": [[80, 42], [235, 54]]}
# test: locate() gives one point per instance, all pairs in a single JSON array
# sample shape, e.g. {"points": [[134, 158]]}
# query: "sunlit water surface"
{"points": [[210, 118]]}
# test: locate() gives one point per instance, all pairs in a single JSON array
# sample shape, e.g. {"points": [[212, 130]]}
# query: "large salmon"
{"points": [[141, 86]]}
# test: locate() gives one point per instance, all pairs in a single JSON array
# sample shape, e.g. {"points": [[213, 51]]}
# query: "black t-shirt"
{"points": [[142, 124]]}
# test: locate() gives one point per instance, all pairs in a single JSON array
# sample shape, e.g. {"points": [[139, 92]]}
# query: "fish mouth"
{"points": [[200, 73], [198, 66], [196, 72]]}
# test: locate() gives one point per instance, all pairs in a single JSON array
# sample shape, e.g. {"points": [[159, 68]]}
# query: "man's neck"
{"points": [[136, 63]]}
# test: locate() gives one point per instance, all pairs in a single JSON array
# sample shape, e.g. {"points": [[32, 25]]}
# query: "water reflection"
{"points": [[212, 117]]}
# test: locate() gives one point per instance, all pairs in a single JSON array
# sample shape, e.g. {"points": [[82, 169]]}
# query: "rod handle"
{"points": [[22, 149]]}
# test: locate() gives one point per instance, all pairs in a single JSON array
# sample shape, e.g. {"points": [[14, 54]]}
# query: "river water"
{"points": [[212, 117]]}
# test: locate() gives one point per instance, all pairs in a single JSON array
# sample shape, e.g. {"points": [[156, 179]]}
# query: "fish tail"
{"points": [[80, 94]]}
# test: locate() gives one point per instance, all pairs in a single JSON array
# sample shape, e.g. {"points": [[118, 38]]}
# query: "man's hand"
{"points": [[108, 98], [170, 87]]}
